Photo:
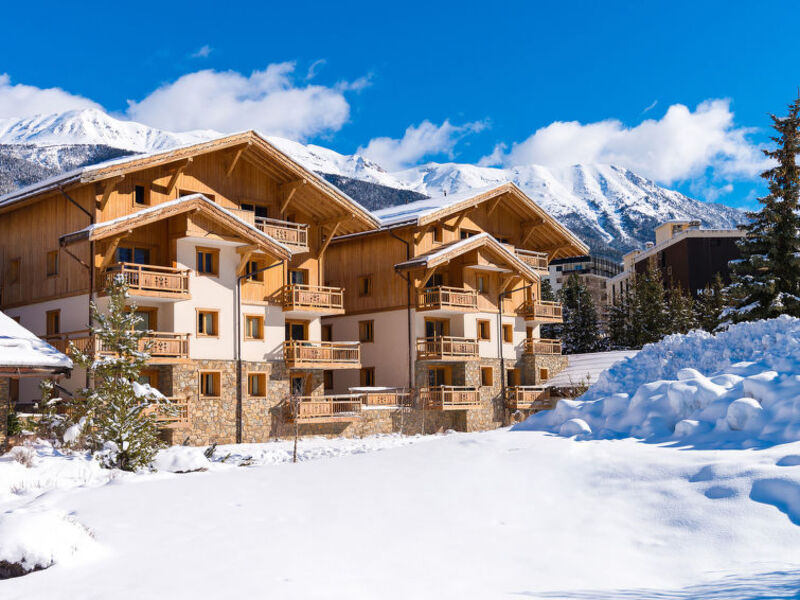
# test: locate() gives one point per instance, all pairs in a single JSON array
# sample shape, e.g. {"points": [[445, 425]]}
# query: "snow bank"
{"points": [[181, 459], [740, 387]]}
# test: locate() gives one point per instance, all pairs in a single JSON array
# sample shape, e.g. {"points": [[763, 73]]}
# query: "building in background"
{"points": [[685, 254], [594, 271]]}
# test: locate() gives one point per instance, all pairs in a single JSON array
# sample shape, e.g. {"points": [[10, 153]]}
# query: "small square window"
{"points": [[254, 271], [484, 330], [368, 377], [366, 331], [487, 376], [141, 195], [544, 374], [52, 263], [365, 285], [508, 333], [466, 233], [326, 333], [53, 324], [298, 276], [253, 327], [437, 234], [207, 323], [209, 383], [257, 385], [207, 261]]}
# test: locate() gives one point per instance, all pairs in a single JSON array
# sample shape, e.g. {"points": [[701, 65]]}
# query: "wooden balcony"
{"points": [[303, 354], [165, 347], [294, 235], [448, 299], [317, 299], [527, 398], [542, 346], [383, 397], [447, 348], [323, 409], [543, 312], [151, 280], [537, 261], [172, 413], [448, 397]]}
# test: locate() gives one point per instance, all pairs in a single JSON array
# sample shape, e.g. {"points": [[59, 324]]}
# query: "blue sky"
{"points": [[418, 81]]}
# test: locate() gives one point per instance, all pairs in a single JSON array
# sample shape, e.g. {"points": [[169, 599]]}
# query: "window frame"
{"points": [[479, 325], [146, 193], [260, 319], [327, 379], [368, 280], [214, 252], [365, 374], [366, 331], [51, 269], [487, 376], [508, 333], [261, 378], [215, 321], [53, 321], [215, 382]]}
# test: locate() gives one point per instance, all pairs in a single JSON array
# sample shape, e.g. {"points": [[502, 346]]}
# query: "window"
{"points": [[327, 380], [141, 195], [439, 376], [52, 263], [256, 385], [365, 285], [252, 267], [253, 327], [366, 331], [133, 254], [53, 318], [368, 377], [149, 377], [487, 376], [512, 377], [466, 233], [297, 385], [435, 280], [12, 275], [327, 333], [508, 333], [296, 330], [484, 330], [147, 319], [298, 276], [209, 383], [544, 374], [437, 234], [437, 327], [258, 209], [207, 261], [207, 322], [482, 286]]}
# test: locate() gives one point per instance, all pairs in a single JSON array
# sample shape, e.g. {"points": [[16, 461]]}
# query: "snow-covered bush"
{"points": [[740, 386]]}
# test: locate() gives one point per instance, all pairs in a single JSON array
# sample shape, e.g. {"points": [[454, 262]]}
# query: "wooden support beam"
{"points": [[108, 256], [421, 233], [507, 281], [425, 277], [293, 187], [531, 229], [551, 252], [328, 239], [176, 173], [240, 270], [109, 186], [236, 158], [494, 205]]}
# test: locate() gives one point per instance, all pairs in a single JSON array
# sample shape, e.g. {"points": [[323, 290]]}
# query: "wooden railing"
{"points": [[550, 312], [174, 412], [542, 346], [535, 260], [443, 297], [527, 398], [455, 348], [389, 397], [313, 298], [328, 355], [286, 232], [151, 280], [323, 409], [448, 397], [163, 344]]}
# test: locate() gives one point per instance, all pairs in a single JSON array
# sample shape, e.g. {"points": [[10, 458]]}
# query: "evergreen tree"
{"points": [[649, 313], [681, 311], [549, 330], [547, 291], [710, 304], [581, 332], [618, 319], [118, 419], [767, 278]]}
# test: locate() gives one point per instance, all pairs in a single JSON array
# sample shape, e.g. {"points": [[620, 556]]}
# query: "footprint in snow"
{"points": [[716, 492]]}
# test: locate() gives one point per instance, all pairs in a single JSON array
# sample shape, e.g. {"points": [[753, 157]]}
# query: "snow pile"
{"points": [[740, 387], [32, 539], [20, 348], [181, 459]]}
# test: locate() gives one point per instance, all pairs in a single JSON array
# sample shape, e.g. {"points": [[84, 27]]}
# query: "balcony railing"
{"points": [[447, 298], [286, 232], [546, 312], [151, 280], [383, 396], [535, 260], [448, 397], [323, 409], [310, 298], [542, 346], [174, 412], [163, 345], [447, 348], [322, 355], [527, 398]]}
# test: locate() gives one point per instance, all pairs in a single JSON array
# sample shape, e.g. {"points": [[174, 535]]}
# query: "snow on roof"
{"points": [[414, 210], [589, 365], [20, 349]]}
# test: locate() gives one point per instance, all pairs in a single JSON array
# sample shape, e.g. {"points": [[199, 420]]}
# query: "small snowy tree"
{"points": [[580, 332], [649, 315], [118, 413]]}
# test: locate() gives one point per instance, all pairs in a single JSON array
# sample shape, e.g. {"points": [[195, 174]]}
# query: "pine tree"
{"points": [[681, 311], [550, 330], [119, 421], [649, 313], [618, 319], [766, 279], [710, 304], [581, 332]]}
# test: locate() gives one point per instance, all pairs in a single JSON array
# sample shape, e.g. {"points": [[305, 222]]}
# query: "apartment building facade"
{"points": [[594, 271]]}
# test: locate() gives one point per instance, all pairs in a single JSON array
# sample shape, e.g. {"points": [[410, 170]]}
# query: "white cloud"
{"points": [[315, 66], [26, 100], [203, 52], [268, 101], [682, 144], [417, 142]]}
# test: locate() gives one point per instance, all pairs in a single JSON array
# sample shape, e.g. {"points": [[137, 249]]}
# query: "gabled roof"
{"points": [[21, 352], [448, 252], [424, 212], [255, 149], [192, 203]]}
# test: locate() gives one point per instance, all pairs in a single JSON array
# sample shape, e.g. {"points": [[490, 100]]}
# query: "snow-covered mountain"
{"points": [[610, 207]]}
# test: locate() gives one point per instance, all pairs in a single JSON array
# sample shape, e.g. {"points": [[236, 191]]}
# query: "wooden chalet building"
{"points": [[213, 239], [445, 299]]}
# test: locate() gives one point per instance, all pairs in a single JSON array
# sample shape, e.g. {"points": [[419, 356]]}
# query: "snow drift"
{"points": [[737, 388]]}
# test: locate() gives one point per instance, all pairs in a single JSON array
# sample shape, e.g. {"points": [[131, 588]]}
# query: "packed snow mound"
{"points": [[181, 459], [739, 388]]}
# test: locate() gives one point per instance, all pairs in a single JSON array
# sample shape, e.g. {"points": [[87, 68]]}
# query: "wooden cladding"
{"points": [[329, 300], [448, 397], [448, 298], [446, 348], [321, 355], [542, 346], [151, 280]]}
